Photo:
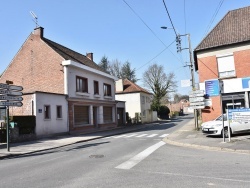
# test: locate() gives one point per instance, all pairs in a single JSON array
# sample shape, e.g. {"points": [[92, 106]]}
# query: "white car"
{"points": [[215, 127]]}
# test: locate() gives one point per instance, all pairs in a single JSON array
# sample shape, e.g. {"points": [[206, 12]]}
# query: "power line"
{"points": [[213, 17], [144, 23], [156, 55], [170, 18]]}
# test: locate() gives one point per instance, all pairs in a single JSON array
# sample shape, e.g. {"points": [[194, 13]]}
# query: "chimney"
{"points": [[90, 56], [119, 85], [38, 31]]}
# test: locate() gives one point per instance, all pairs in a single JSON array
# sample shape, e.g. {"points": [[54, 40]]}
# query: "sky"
{"points": [[124, 30]]}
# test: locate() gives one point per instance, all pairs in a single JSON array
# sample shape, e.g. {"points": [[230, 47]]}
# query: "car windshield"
{"points": [[220, 118]]}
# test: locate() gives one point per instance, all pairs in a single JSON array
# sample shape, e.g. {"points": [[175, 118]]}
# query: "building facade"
{"points": [[223, 57], [58, 81], [138, 101]]}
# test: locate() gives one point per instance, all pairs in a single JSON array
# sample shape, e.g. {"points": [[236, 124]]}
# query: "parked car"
{"points": [[215, 127]]}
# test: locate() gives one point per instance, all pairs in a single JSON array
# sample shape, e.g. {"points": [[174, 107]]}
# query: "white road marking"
{"points": [[164, 135], [119, 136], [130, 135], [152, 135], [142, 135], [139, 157]]}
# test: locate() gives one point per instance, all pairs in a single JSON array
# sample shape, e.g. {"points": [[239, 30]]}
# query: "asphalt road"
{"points": [[136, 159]]}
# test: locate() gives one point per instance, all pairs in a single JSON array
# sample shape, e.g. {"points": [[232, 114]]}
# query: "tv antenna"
{"points": [[35, 18]]}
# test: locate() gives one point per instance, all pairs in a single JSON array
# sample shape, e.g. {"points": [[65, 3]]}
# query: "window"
{"points": [[96, 88], [46, 111], [81, 84], [107, 90], [226, 66], [81, 115], [107, 114], [59, 112], [143, 99]]}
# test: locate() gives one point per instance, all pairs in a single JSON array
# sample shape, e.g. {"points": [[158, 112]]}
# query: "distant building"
{"points": [[138, 101]]}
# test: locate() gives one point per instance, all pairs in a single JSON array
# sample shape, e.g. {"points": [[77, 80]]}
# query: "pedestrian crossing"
{"points": [[139, 136]]}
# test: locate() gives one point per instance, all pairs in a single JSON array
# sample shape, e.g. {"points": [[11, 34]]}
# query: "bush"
{"points": [[164, 112]]}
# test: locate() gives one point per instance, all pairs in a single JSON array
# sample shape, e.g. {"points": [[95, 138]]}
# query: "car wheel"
{"points": [[226, 133]]}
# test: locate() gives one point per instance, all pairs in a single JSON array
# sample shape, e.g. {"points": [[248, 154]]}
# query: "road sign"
{"points": [[197, 93], [197, 107], [10, 98], [5, 103], [15, 93], [196, 99], [12, 87]]}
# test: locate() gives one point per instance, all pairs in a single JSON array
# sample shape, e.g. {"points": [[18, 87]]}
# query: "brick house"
{"points": [[137, 100], [224, 55], [65, 90]]}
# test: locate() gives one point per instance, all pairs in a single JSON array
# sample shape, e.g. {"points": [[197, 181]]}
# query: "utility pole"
{"points": [[179, 49]]}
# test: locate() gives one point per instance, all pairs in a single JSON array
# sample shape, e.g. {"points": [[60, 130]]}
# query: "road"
{"points": [[137, 159]]}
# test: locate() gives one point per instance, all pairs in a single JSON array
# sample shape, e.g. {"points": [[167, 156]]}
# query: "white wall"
{"points": [[132, 102], [53, 125], [134, 105], [76, 69]]}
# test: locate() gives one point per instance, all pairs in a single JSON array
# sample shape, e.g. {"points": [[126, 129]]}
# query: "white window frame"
{"points": [[226, 66]]}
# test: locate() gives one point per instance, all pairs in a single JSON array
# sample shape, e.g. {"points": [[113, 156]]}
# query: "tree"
{"points": [[127, 72], [179, 97], [104, 63], [115, 68], [160, 83]]}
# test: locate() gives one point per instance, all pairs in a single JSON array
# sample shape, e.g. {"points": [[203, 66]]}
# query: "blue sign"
{"points": [[245, 83], [212, 88], [230, 111]]}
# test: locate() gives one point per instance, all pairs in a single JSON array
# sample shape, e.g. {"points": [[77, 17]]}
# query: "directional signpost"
{"points": [[196, 99], [10, 95]]}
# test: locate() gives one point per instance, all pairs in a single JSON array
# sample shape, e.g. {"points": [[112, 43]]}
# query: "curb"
{"points": [[211, 148]]}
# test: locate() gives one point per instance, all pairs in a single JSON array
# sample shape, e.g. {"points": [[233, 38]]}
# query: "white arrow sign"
{"points": [[13, 87], [6, 97], [4, 103], [196, 99], [17, 88], [15, 93]]}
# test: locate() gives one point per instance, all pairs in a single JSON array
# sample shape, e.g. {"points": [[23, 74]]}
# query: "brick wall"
{"points": [[36, 67], [242, 63], [208, 70]]}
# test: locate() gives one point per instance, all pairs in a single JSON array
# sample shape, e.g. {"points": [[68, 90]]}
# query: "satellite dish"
{"points": [[35, 18]]}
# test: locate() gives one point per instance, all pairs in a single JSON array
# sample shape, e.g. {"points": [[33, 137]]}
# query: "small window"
{"points": [[107, 90], [81, 84], [59, 112], [96, 88], [47, 112]]}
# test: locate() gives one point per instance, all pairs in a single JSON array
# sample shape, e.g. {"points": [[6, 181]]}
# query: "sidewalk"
{"points": [[185, 136]]}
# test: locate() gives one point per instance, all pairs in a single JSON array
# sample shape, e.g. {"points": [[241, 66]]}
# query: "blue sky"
{"points": [[127, 30]]}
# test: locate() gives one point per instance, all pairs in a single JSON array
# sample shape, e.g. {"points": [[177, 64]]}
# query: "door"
{"points": [[120, 116]]}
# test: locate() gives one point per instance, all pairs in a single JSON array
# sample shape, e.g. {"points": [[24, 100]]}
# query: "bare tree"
{"points": [[115, 68], [160, 83]]}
